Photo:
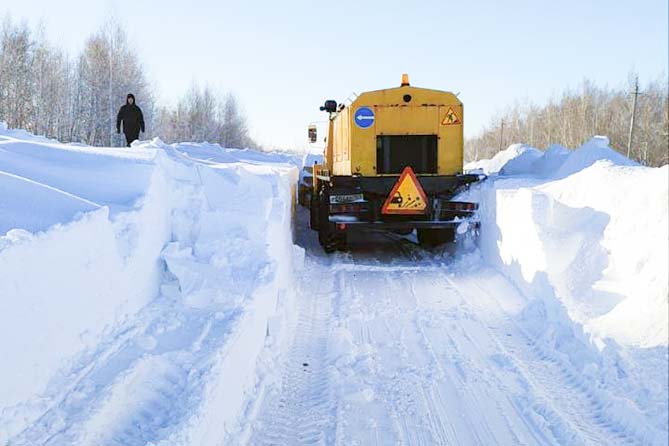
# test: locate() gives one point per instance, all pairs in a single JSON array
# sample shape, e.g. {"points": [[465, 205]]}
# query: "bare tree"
{"points": [[108, 70], [16, 60], [580, 114], [202, 115], [46, 92], [234, 130]]}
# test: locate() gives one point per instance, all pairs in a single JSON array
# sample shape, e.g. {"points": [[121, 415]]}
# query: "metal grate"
{"points": [[395, 152]]}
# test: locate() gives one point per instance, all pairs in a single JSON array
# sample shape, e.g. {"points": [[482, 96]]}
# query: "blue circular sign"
{"points": [[364, 117]]}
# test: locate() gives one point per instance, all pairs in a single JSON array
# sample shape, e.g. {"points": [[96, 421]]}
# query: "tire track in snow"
{"points": [[396, 390], [433, 394], [562, 393], [133, 389], [585, 415], [302, 411], [438, 428], [426, 397], [504, 342], [470, 348], [427, 367]]}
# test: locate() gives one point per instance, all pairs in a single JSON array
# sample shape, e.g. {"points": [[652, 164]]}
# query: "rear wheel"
{"points": [[328, 237], [431, 238], [302, 196], [314, 211]]}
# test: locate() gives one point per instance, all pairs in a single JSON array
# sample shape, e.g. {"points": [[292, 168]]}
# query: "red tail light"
{"points": [[460, 206], [353, 208]]}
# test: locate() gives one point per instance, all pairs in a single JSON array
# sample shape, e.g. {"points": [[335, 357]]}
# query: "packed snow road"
{"points": [[394, 345]]}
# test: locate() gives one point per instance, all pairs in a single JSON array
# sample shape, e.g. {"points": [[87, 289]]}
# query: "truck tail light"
{"points": [[349, 208]]}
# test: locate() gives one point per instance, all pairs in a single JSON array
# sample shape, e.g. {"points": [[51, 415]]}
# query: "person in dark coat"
{"points": [[133, 120]]}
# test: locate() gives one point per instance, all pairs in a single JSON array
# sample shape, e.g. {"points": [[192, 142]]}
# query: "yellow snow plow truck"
{"points": [[393, 162]]}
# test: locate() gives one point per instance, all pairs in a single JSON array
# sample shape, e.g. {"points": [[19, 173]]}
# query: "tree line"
{"points": [[578, 114], [75, 99]]}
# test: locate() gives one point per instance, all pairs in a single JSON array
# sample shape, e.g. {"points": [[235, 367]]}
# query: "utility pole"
{"points": [[631, 134], [501, 136]]}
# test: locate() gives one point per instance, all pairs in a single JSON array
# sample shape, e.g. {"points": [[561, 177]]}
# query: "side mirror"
{"points": [[330, 106], [313, 133]]}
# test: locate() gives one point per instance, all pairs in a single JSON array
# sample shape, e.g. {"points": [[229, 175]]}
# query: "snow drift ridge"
{"points": [[149, 250]]}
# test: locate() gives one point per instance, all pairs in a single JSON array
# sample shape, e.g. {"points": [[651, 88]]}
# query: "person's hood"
{"points": [[134, 101]]}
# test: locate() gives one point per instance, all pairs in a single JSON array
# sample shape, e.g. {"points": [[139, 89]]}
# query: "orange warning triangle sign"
{"points": [[407, 196], [451, 118]]}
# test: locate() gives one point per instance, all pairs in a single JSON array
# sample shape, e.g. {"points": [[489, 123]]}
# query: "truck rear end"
{"points": [[393, 162]]}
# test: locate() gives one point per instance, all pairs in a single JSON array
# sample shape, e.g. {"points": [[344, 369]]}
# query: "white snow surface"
{"points": [[130, 278], [585, 233], [496, 163], [154, 296], [555, 162], [591, 224]]}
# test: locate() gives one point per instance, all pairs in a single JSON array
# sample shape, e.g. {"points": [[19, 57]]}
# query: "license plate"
{"points": [[336, 199]]}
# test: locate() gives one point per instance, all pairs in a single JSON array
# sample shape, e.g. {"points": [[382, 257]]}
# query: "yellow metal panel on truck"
{"points": [[407, 120], [404, 110], [451, 141], [341, 143]]}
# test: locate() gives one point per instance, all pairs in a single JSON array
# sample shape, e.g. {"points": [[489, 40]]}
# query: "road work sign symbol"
{"points": [[407, 196], [364, 117], [451, 118]]}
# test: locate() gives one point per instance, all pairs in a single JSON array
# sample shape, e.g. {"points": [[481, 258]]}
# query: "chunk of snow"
{"points": [[523, 163]]}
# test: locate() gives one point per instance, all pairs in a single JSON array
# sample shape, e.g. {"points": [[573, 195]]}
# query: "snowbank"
{"points": [[594, 223], [7, 133], [37, 206], [521, 163], [55, 182], [496, 163], [114, 259], [63, 289], [584, 234], [556, 162]]}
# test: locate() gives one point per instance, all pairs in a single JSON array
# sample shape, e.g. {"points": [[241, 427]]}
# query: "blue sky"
{"points": [[282, 59]]}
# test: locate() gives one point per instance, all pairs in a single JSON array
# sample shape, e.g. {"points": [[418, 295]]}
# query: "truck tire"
{"points": [[328, 237], [314, 211], [431, 238], [302, 196]]}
